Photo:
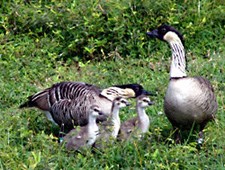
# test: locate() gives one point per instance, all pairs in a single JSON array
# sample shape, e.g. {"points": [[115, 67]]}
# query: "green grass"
{"points": [[27, 139], [42, 43]]}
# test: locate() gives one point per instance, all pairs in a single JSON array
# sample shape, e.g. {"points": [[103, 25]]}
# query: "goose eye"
{"points": [[96, 110], [123, 101], [163, 30], [145, 100]]}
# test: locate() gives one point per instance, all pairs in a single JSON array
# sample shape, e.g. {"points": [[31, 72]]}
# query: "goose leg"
{"points": [[61, 133], [200, 137], [201, 134], [177, 136]]}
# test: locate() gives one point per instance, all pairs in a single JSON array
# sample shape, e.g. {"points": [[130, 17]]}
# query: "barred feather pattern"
{"points": [[69, 102], [74, 112], [178, 65], [188, 100], [70, 90]]}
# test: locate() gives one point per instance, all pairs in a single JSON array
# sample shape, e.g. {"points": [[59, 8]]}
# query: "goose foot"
{"points": [[200, 139]]}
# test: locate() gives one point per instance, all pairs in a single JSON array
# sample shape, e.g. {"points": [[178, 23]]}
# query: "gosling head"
{"points": [[144, 101], [120, 102], [95, 111], [166, 33]]}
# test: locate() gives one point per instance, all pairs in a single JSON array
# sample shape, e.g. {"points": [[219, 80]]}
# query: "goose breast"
{"points": [[188, 100]]}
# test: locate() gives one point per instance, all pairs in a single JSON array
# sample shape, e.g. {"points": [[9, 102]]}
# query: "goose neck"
{"points": [[178, 64], [93, 129], [92, 121], [143, 119], [115, 121]]}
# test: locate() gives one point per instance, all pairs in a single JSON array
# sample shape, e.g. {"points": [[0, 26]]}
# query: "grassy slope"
{"points": [[32, 37], [26, 135]]}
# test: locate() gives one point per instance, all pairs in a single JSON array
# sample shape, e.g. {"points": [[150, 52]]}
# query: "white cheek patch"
{"points": [[171, 37]]}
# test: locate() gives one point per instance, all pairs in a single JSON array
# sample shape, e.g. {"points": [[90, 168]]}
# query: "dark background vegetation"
{"points": [[84, 30], [104, 43]]}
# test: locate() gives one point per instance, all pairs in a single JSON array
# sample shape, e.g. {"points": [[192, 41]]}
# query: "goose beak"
{"points": [[147, 93], [153, 34]]}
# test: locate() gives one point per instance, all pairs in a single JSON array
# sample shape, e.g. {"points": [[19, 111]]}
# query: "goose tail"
{"points": [[39, 100]]}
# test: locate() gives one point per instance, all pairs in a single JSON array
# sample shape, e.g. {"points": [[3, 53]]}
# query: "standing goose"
{"points": [[67, 103], [140, 123], [87, 135], [188, 100]]}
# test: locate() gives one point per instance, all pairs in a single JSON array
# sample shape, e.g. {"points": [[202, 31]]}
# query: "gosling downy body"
{"points": [[188, 100], [85, 135], [111, 127], [140, 123]]}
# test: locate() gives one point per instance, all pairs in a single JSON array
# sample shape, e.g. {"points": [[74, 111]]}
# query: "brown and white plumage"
{"points": [[188, 100], [140, 123], [67, 103], [85, 135]]}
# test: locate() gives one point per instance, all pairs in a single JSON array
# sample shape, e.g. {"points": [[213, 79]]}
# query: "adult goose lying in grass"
{"points": [[67, 103], [188, 100], [140, 123], [86, 135]]}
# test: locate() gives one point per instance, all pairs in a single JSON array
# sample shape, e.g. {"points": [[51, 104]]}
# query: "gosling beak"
{"points": [[101, 113], [128, 104], [150, 103]]}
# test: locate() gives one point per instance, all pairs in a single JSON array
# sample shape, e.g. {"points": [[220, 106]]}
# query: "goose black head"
{"points": [[166, 33], [137, 88]]}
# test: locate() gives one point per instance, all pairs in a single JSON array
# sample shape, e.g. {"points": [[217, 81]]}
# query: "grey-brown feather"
{"points": [[110, 127], [188, 100], [198, 103], [68, 102], [85, 135], [76, 138], [140, 123], [127, 128]]}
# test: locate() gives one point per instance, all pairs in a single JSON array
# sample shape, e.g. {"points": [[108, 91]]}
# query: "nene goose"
{"points": [[140, 123], [87, 135], [188, 100], [111, 127], [67, 103]]}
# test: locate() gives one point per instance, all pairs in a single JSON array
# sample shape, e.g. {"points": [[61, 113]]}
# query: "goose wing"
{"points": [[208, 103], [45, 99], [73, 112]]}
